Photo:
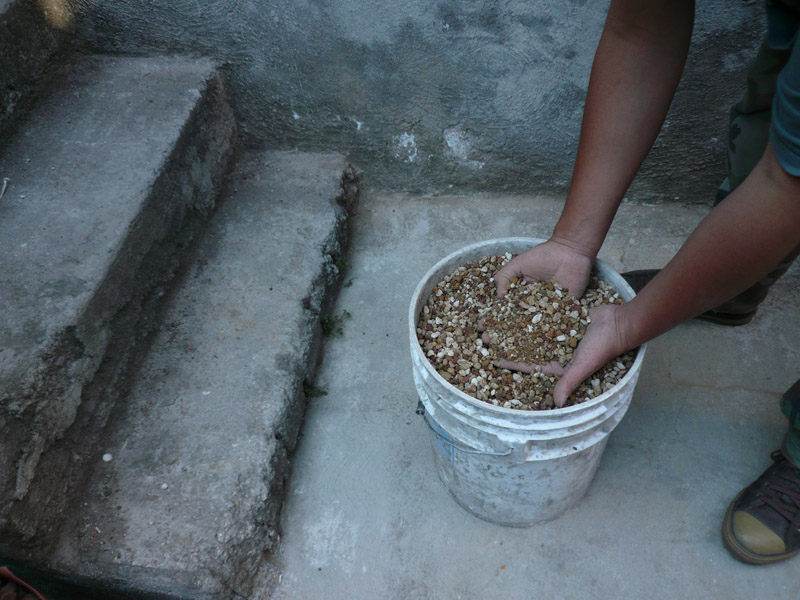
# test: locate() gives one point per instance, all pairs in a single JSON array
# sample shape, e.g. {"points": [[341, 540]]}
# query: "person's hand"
{"points": [[551, 260], [604, 340]]}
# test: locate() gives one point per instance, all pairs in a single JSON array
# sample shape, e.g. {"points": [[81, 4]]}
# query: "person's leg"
{"points": [[748, 135], [748, 125], [790, 406], [762, 524], [742, 308]]}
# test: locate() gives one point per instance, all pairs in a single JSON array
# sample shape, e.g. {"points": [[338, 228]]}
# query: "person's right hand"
{"points": [[551, 260]]}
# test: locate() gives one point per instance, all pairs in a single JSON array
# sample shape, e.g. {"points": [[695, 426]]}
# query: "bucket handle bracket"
{"points": [[449, 441]]}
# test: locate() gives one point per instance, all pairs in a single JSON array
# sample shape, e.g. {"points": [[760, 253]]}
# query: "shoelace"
{"points": [[784, 500], [13, 588]]}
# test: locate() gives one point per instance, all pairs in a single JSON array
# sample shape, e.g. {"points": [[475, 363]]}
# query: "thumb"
{"points": [[502, 279], [575, 285], [599, 345], [574, 279], [573, 376]]}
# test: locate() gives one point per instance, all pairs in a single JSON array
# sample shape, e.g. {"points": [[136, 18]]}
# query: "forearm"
{"points": [[732, 248], [636, 70]]}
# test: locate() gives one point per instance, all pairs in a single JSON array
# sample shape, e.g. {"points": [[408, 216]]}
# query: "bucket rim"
{"points": [[620, 286]]}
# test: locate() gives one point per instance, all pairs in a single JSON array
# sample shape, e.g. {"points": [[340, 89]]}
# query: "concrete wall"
{"points": [[428, 94], [33, 39]]}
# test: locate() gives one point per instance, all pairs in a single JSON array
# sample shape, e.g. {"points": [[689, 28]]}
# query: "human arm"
{"points": [[736, 244], [636, 69]]}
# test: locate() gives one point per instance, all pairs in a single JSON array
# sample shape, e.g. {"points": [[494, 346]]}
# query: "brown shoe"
{"points": [[638, 279], [762, 524]]}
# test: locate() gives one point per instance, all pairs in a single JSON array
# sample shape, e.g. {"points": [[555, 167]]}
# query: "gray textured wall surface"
{"points": [[428, 94], [34, 37]]}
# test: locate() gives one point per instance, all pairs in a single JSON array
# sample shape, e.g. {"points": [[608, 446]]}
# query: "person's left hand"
{"points": [[603, 341]]}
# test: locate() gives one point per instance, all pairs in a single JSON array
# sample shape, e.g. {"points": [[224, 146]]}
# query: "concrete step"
{"points": [[34, 37], [186, 504], [109, 179]]}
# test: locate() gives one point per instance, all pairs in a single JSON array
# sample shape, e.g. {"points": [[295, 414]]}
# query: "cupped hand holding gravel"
{"points": [[552, 367], [603, 341], [484, 345], [553, 260]]}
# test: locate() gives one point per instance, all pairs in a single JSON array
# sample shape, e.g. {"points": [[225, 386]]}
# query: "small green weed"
{"points": [[312, 391], [332, 324], [341, 264]]}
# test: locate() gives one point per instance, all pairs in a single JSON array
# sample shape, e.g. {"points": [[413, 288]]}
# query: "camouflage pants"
{"points": [[748, 136], [790, 406]]}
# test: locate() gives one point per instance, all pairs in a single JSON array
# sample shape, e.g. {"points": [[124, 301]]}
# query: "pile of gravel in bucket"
{"points": [[464, 329]]}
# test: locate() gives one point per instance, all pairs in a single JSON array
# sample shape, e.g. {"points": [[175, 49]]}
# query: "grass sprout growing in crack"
{"points": [[332, 324], [312, 391], [342, 267], [341, 264]]}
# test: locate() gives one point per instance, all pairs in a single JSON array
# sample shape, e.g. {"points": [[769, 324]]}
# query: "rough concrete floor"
{"points": [[367, 517]]}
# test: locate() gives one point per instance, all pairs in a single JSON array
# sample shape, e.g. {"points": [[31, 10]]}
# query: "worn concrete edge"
{"points": [[67, 586], [237, 575], [34, 43], [321, 297], [144, 268]]}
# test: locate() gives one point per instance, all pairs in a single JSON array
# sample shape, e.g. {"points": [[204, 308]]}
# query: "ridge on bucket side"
{"points": [[504, 465]]}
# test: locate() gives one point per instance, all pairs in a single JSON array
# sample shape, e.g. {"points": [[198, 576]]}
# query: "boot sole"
{"points": [[740, 552], [730, 320]]}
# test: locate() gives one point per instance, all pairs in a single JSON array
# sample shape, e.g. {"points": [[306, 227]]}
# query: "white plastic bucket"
{"points": [[508, 466]]}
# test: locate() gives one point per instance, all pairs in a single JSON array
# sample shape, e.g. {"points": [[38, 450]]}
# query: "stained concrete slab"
{"points": [[366, 515], [106, 181], [187, 502]]}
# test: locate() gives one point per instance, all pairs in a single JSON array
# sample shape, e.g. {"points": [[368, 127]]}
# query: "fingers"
{"points": [[513, 365], [575, 283], [583, 364], [599, 345], [543, 262], [568, 383], [550, 368], [502, 279], [485, 337], [553, 368], [513, 270]]}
